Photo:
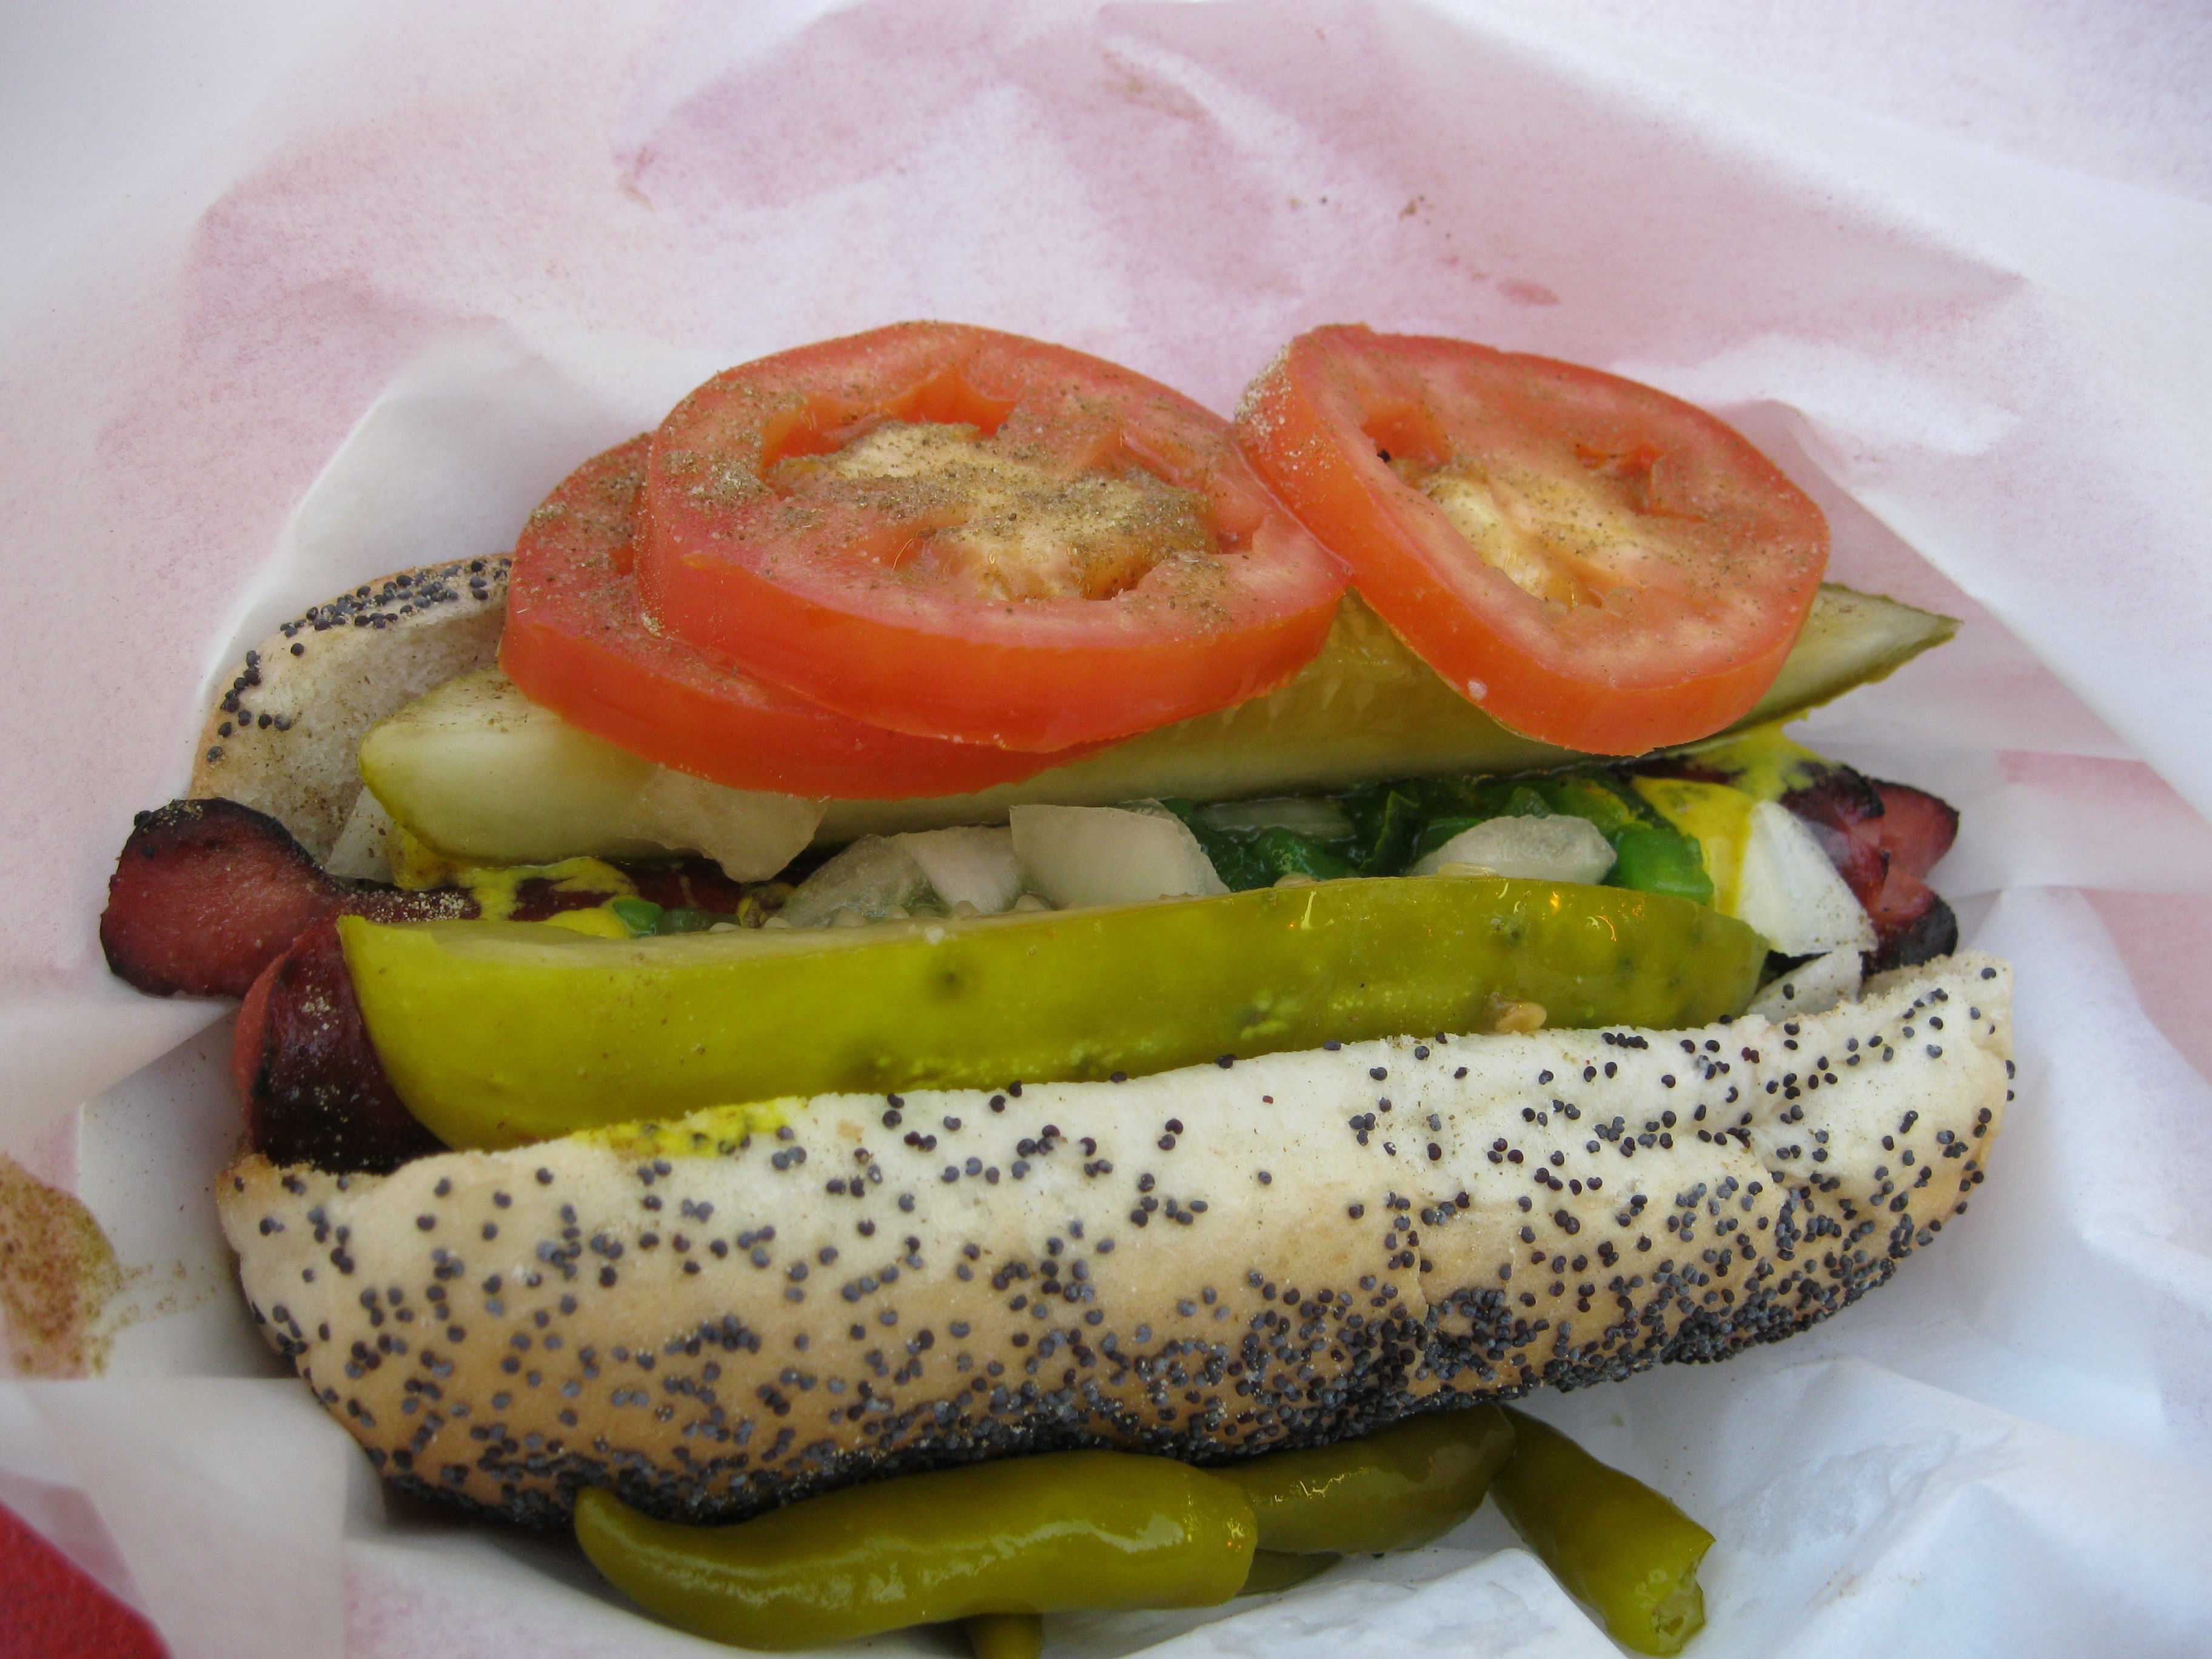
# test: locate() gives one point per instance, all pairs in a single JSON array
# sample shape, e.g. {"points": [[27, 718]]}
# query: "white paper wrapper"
{"points": [[301, 294]]}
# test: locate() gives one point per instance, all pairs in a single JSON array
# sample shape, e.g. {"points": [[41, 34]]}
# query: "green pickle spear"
{"points": [[1394, 1489], [1616, 1544], [497, 1034], [1057, 1533]]}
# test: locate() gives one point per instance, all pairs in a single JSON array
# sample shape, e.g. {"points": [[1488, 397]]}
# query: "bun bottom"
{"points": [[1207, 1263]]}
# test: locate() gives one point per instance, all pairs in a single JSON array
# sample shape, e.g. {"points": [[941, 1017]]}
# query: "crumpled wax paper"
{"points": [[298, 293]]}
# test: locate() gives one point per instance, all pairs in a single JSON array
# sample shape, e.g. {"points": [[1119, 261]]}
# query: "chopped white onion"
{"points": [[1554, 847], [1084, 855]]}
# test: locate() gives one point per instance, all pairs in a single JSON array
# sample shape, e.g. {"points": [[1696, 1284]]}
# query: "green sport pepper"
{"points": [[1005, 1635], [1615, 1544], [1055, 1533], [498, 1033], [1392, 1490], [1272, 1570]]}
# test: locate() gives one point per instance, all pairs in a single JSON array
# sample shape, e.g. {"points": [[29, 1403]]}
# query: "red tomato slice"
{"points": [[1597, 563], [960, 533], [576, 641]]}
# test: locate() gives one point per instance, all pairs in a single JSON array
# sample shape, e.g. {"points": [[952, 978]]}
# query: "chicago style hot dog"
{"points": [[638, 1138]]}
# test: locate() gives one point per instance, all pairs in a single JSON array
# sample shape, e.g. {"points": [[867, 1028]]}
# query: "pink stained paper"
{"points": [[300, 295]]}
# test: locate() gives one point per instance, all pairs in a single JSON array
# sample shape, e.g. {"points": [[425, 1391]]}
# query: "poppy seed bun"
{"points": [[1205, 1263], [284, 736]]}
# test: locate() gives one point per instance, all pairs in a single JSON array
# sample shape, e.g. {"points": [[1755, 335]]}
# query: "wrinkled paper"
{"points": [[301, 294]]}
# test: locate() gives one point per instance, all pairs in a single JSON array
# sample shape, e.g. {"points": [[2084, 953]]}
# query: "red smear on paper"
{"points": [[55, 1610]]}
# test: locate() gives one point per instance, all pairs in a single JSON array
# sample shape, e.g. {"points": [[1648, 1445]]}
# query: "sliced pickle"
{"points": [[1368, 709], [1850, 639], [478, 772], [499, 1033], [482, 775]]}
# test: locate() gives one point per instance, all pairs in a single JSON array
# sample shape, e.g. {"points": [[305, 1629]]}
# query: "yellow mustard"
{"points": [[1716, 816], [710, 1132]]}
